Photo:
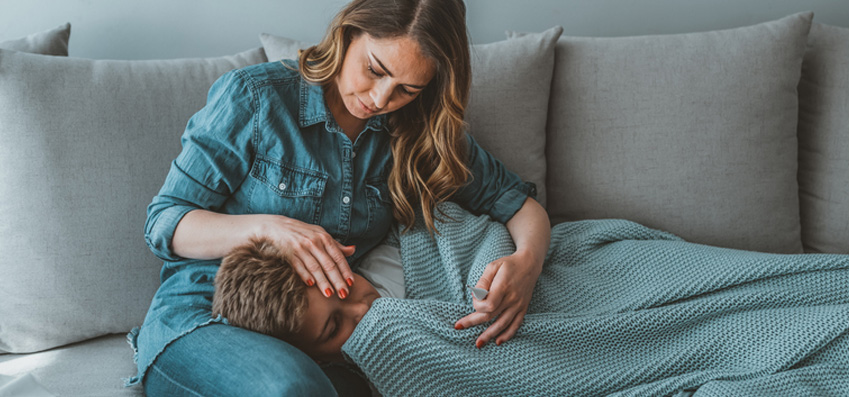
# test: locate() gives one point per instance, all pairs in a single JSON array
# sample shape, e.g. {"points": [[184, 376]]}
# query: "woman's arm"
{"points": [[203, 234], [511, 279], [218, 148], [530, 230], [315, 255]]}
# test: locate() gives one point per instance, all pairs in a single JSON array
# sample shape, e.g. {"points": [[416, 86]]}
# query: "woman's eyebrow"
{"points": [[387, 71]]}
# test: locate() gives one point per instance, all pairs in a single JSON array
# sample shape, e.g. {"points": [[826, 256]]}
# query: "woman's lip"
{"points": [[365, 109]]}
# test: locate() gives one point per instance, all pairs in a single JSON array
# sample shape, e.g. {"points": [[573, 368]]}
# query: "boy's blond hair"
{"points": [[256, 289]]}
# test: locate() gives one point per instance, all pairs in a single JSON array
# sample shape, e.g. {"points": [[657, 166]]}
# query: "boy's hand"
{"points": [[510, 281]]}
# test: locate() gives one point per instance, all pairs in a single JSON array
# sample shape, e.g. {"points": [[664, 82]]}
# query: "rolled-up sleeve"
{"points": [[492, 189], [214, 161]]}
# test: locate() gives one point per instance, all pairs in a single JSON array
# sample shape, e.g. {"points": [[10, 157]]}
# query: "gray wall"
{"points": [[145, 29]]}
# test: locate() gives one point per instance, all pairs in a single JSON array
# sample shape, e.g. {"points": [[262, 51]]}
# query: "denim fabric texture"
{"points": [[250, 364], [267, 143]]}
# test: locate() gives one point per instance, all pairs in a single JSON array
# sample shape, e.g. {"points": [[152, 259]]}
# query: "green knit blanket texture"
{"points": [[619, 309]]}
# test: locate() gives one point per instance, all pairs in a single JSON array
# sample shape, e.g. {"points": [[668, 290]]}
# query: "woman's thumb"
{"points": [[347, 250]]}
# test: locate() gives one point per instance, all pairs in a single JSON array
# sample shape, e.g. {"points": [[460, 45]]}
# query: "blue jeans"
{"points": [[222, 360]]}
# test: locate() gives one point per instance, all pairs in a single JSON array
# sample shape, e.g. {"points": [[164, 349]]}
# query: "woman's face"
{"points": [[328, 322], [381, 75]]}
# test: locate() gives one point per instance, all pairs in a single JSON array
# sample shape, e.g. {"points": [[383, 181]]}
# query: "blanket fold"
{"points": [[620, 309]]}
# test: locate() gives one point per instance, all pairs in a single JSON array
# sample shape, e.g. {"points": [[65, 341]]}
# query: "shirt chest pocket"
{"points": [[380, 204], [287, 190]]}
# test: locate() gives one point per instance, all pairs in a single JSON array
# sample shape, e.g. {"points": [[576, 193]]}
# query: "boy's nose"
{"points": [[358, 310]]}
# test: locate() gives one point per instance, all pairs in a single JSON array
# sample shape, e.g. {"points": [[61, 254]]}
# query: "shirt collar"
{"points": [[314, 110]]}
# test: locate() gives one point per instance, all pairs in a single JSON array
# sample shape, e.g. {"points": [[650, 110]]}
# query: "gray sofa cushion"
{"points": [[93, 368], [823, 140], [49, 42], [84, 146], [690, 133], [509, 98]]}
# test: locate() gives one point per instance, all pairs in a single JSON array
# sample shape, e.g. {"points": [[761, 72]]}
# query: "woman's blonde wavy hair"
{"points": [[428, 134]]}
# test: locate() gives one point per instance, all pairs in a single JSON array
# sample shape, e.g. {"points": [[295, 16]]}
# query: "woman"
{"points": [[319, 156]]}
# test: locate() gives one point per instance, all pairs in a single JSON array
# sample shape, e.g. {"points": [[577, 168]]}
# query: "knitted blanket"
{"points": [[620, 309]]}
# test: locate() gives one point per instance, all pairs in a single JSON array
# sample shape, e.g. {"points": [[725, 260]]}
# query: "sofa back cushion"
{"points": [[693, 133], [823, 138], [84, 146], [508, 101], [48, 42]]}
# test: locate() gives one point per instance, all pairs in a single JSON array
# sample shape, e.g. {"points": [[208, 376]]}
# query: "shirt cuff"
{"points": [[160, 235], [511, 201]]}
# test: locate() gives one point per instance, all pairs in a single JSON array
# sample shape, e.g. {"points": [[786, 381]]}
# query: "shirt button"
{"points": [[345, 200], [353, 154], [282, 186]]}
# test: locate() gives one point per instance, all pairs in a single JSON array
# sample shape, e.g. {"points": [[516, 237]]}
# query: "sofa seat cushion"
{"points": [[695, 134], [91, 368]]}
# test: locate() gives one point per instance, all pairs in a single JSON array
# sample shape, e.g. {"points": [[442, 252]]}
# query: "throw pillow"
{"points": [[509, 98], [823, 140], [84, 146], [692, 133], [49, 42]]}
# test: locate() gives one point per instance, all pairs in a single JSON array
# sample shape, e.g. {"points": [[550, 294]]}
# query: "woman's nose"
{"points": [[380, 96]]}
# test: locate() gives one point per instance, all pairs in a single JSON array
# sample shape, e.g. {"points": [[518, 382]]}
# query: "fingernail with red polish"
{"points": [[343, 293], [310, 283], [479, 344], [328, 292], [349, 281], [458, 326], [498, 343]]}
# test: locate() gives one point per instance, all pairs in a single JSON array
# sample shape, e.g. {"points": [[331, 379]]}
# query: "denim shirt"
{"points": [[266, 143]]}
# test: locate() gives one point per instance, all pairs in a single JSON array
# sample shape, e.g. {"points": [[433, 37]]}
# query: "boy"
{"points": [[256, 289]]}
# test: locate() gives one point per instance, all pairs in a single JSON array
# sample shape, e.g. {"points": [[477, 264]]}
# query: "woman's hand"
{"points": [[510, 281], [314, 255]]}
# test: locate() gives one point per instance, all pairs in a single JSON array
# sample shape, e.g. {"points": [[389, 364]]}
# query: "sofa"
{"points": [[735, 138]]}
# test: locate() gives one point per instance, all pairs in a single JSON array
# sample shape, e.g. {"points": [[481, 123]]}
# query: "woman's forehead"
{"points": [[400, 57]]}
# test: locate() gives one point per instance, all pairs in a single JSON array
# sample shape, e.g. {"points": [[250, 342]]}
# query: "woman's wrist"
{"points": [[530, 257]]}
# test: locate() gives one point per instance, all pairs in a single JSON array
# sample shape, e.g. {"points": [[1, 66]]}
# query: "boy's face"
{"points": [[328, 322]]}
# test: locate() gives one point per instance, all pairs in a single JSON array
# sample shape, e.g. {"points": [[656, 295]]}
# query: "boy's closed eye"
{"points": [[328, 322]]}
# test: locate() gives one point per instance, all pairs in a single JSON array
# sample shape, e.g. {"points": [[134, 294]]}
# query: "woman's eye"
{"points": [[404, 90], [373, 70]]}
